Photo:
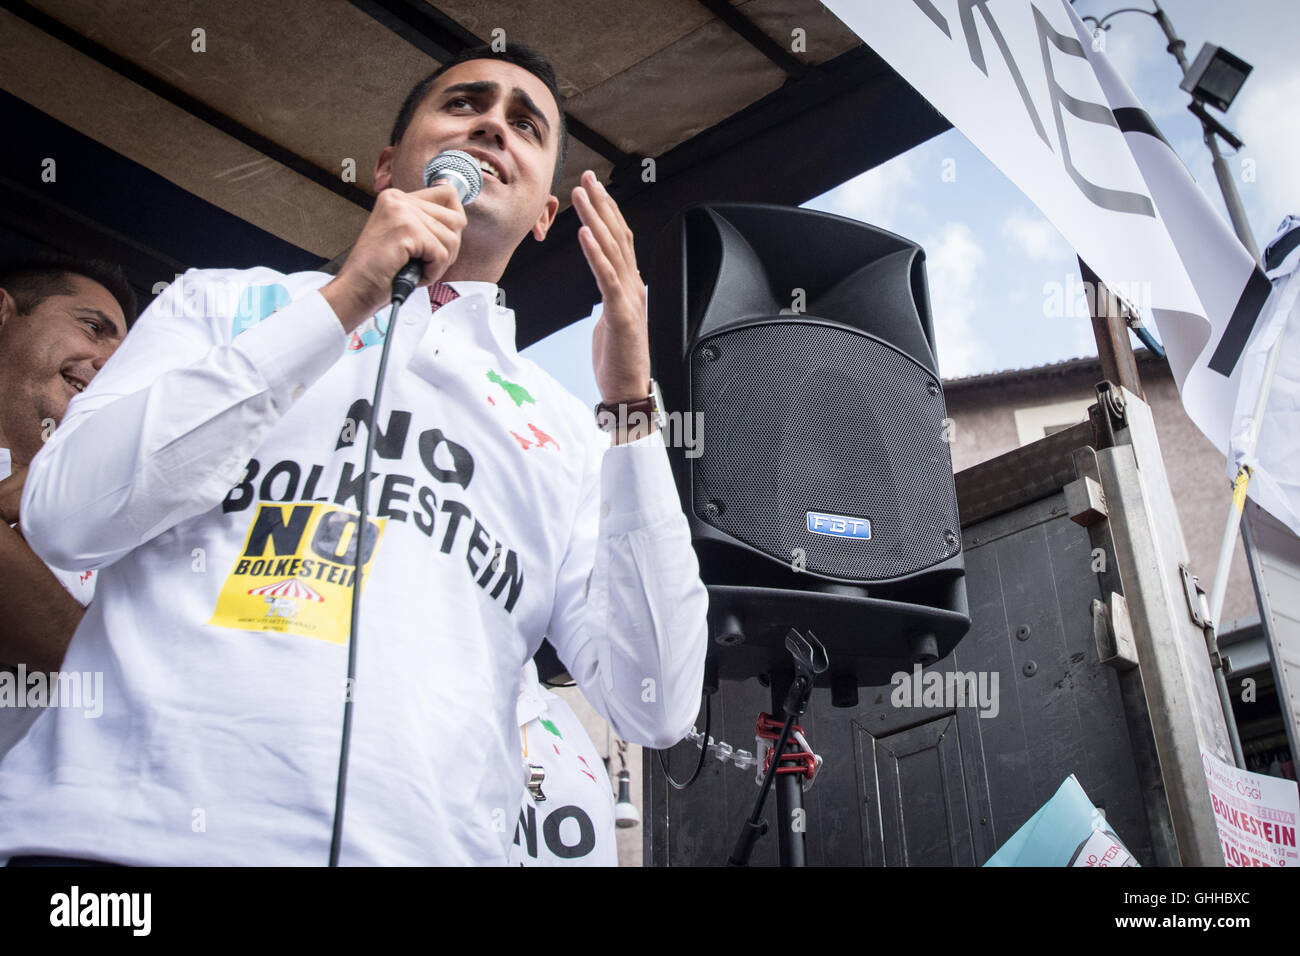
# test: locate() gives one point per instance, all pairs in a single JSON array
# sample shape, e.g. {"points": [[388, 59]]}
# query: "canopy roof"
{"points": [[165, 157]]}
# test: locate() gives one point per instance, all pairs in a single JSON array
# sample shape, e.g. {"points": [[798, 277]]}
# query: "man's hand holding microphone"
{"points": [[420, 230]]}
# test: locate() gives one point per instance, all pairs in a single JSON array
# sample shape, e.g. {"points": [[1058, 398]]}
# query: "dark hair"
{"points": [[32, 281], [522, 56]]}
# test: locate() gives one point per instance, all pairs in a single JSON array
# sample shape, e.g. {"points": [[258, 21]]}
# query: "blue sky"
{"points": [[991, 255]]}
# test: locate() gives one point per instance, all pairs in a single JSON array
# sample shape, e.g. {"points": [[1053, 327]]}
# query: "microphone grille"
{"points": [[461, 164]]}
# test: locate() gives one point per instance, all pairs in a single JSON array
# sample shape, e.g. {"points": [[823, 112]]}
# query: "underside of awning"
{"points": [[237, 132]]}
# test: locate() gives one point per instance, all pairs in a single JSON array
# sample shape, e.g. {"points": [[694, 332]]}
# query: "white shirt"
{"points": [[574, 825], [80, 584], [220, 621], [14, 721]]}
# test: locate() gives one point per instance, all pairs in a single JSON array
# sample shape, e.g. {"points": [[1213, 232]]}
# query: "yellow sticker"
{"points": [[1239, 488], [294, 573]]}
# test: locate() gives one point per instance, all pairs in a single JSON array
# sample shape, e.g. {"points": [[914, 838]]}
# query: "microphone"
{"points": [[462, 171]]}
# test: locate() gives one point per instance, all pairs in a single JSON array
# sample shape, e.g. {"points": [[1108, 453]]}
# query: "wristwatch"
{"points": [[610, 416]]}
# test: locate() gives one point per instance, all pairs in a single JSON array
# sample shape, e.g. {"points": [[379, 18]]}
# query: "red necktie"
{"points": [[440, 294]]}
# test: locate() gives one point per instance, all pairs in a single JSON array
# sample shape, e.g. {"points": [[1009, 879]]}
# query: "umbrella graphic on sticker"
{"points": [[282, 597]]}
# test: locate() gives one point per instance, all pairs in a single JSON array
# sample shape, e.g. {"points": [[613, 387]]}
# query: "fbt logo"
{"points": [[840, 526]]}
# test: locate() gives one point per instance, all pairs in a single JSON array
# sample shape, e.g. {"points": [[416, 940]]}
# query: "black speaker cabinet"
{"points": [[819, 483]]}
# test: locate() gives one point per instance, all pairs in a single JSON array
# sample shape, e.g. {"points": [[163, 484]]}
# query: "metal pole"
{"points": [[789, 791], [1231, 198], [1243, 478], [1176, 45], [1210, 630], [1240, 225]]}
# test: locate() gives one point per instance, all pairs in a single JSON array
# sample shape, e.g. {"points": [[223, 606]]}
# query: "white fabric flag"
{"points": [[1275, 464], [1027, 83]]}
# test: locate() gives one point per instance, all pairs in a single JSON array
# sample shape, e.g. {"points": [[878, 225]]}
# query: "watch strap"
{"points": [[610, 415]]}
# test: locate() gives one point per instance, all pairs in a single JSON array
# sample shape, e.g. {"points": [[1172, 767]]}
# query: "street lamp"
{"points": [[1215, 78]]}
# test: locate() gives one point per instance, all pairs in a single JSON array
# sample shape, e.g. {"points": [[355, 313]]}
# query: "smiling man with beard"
{"points": [[60, 320], [227, 438]]}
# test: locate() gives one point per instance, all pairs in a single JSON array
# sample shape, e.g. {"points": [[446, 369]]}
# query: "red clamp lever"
{"points": [[801, 761]]}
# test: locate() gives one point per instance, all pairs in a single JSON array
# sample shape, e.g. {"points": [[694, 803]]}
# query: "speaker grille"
{"points": [[800, 416]]}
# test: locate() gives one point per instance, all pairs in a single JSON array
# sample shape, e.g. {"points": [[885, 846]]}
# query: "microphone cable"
{"points": [[462, 171], [363, 508], [704, 750]]}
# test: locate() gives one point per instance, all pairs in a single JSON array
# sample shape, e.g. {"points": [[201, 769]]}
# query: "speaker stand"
{"points": [[789, 790], [790, 693]]}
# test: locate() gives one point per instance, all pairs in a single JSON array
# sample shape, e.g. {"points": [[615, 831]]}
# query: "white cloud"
{"points": [[877, 197], [1034, 237], [954, 262], [1266, 116]]}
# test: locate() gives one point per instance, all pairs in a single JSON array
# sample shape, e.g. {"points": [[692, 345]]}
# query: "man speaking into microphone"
{"points": [[212, 472]]}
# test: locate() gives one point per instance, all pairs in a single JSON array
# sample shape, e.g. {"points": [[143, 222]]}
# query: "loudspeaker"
{"points": [[819, 484]]}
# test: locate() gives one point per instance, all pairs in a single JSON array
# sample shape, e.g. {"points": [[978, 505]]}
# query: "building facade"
{"points": [[998, 412]]}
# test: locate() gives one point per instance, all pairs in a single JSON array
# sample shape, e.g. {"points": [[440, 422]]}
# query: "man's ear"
{"points": [[384, 168], [543, 224]]}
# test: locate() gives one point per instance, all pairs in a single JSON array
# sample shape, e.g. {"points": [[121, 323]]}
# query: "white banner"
{"points": [[1027, 84], [1274, 458]]}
